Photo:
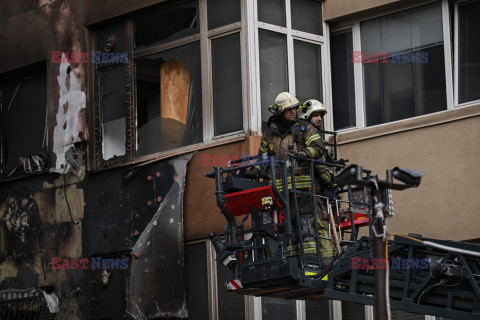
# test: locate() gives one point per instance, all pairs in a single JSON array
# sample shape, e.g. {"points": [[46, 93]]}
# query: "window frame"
{"points": [[291, 35], [35, 70], [360, 111], [204, 37], [456, 41]]}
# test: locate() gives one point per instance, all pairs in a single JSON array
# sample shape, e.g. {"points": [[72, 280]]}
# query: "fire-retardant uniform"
{"points": [[301, 136]]}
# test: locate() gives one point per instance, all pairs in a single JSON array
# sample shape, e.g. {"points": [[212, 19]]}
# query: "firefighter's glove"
{"points": [[253, 173], [301, 155], [326, 178], [331, 186]]}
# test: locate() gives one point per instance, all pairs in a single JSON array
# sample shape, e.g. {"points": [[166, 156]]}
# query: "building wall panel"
{"points": [[444, 204]]}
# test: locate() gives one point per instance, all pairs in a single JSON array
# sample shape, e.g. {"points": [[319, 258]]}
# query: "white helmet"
{"points": [[309, 107], [284, 101]]}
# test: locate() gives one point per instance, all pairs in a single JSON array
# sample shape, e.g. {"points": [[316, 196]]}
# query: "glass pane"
{"points": [[169, 98], [411, 82], [278, 309], [167, 24], [307, 16], [231, 306], [318, 310], [308, 71], [468, 52], [353, 311], [273, 68], [222, 12], [197, 281], [113, 109], [343, 82], [272, 11], [227, 84], [23, 105]]}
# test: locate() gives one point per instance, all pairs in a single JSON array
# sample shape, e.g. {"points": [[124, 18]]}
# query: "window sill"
{"points": [[428, 120], [175, 152]]}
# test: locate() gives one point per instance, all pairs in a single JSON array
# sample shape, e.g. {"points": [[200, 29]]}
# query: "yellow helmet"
{"points": [[284, 101], [309, 107]]}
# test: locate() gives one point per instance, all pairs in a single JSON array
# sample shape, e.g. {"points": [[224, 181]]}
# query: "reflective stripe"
{"points": [[263, 150], [312, 138], [312, 151], [301, 181]]}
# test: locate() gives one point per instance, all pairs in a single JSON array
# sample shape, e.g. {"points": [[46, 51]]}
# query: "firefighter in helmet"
{"points": [[314, 112], [286, 135]]}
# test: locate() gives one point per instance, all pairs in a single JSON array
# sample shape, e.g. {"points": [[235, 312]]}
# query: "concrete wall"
{"points": [[445, 147]]}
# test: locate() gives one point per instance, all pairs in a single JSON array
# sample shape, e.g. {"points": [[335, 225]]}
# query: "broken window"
{"points": [[113, 88], [166, 25], [155, 102], [169, 112], [23, 101]]}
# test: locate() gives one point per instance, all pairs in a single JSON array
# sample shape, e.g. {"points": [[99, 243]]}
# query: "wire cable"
{"points": [[431, 244]]}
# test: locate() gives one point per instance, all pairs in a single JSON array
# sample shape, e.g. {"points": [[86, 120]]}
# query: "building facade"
{"points": [[111, 112]]}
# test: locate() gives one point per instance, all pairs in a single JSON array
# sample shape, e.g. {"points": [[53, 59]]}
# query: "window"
{"points": [[231, 306], [290, 50], [353, 311], [317, 310], [168, 99], [391, 68], [154, 102], [23, 105], [403, 88], [343, 82], [281, 309], [196, 280], [468, 51]]}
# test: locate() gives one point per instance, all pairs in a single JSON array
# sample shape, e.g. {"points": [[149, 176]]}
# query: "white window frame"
{"points": [[206, 37], [360, 112], [455, 55], [291, 35]]}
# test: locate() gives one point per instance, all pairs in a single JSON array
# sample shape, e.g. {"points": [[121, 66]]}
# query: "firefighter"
{"points": [[286, 135], [314, 112]]}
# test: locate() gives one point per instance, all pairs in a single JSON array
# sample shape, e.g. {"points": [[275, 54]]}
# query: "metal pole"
{"points": [[379, 253]]}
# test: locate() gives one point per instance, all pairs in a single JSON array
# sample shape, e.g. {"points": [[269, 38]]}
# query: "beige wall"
{"points": [[445, 205], [201, 213], [343, 10]]}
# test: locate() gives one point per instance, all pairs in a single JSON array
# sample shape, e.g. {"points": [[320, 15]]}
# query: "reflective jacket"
{"points": [[302, 136]]}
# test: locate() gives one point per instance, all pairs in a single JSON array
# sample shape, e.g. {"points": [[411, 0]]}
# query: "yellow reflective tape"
{"points": [[325, 278], [309, 273], [312, 151], [312, 138]]}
